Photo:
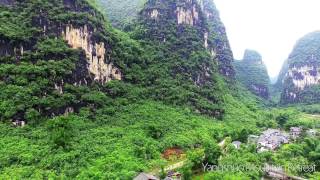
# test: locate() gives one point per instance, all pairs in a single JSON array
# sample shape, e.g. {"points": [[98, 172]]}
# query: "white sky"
{"points": [[269, 26]]}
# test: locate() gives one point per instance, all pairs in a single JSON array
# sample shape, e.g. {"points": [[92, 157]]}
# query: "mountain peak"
{"points": [[252, 56], [252, 72], [168, 20]]}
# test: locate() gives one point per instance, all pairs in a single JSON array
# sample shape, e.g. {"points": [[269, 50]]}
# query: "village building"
{"points": [[295, 132], [312, 132], [236, 144], [272, 139], [145, 176], [173, 176]]}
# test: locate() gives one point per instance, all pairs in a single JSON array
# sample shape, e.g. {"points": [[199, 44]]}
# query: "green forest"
{"points": [[110, 90]]}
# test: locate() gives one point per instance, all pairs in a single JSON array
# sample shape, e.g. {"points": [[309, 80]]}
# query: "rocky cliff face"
{"points": [[300, 76], [252, 72], [97, 52], [168, 19], [100, 66], [218, 41]]}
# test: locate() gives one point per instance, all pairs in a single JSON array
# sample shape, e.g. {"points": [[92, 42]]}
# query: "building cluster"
{"points": [[271, 139], [170, 176]]}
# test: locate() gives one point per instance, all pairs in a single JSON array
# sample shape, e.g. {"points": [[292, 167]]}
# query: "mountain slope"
{"points": [[300, 77], [252, 72], [99, 104], [176, 21]]}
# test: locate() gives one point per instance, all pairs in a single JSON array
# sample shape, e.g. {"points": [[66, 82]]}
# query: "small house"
{"points": [[19, 123], [295, 132], [272, 139], [173, 176], [312, 132], [236, 144], [145, 176]]}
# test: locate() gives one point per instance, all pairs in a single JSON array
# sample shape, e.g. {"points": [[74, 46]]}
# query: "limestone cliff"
{"points": [[252, 72], [100, 66], [219, 45], [301, 72], [99, 63]]}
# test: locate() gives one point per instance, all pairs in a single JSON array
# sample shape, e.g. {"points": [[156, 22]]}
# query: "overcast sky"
{"points": [[269, 26]]}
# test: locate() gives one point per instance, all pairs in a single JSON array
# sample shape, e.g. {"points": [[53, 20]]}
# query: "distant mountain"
{"points": [[252, 72], [299, 78], [121, 12]]}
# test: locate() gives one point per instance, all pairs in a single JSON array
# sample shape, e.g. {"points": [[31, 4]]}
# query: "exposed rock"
{"points": [[154, 14], [7, 49], [19, 123], [304, 76], [187, 16], [260, 90], [206, 40], [59, 87], [68, 111], [99, 66]]}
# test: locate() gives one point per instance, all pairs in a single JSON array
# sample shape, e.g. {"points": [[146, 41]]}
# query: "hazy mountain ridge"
{"points": [[252, 72]]}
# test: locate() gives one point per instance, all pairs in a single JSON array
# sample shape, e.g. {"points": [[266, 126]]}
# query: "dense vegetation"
{"points": [[173, 95], [121, 13], [306, 50]]}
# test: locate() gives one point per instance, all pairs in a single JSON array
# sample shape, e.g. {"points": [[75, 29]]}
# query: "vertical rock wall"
{"points": [[99, 66]]}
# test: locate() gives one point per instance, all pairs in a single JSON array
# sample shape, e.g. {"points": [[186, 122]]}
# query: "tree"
{"points": [[61, 131], [187, 171], [282, 119], [196, 157], [212, 152]]}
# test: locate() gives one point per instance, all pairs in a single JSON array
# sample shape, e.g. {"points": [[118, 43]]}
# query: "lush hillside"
{"points": [[90, 94], [121, 13], [186, 27], [300, 76], [252, 72]]}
